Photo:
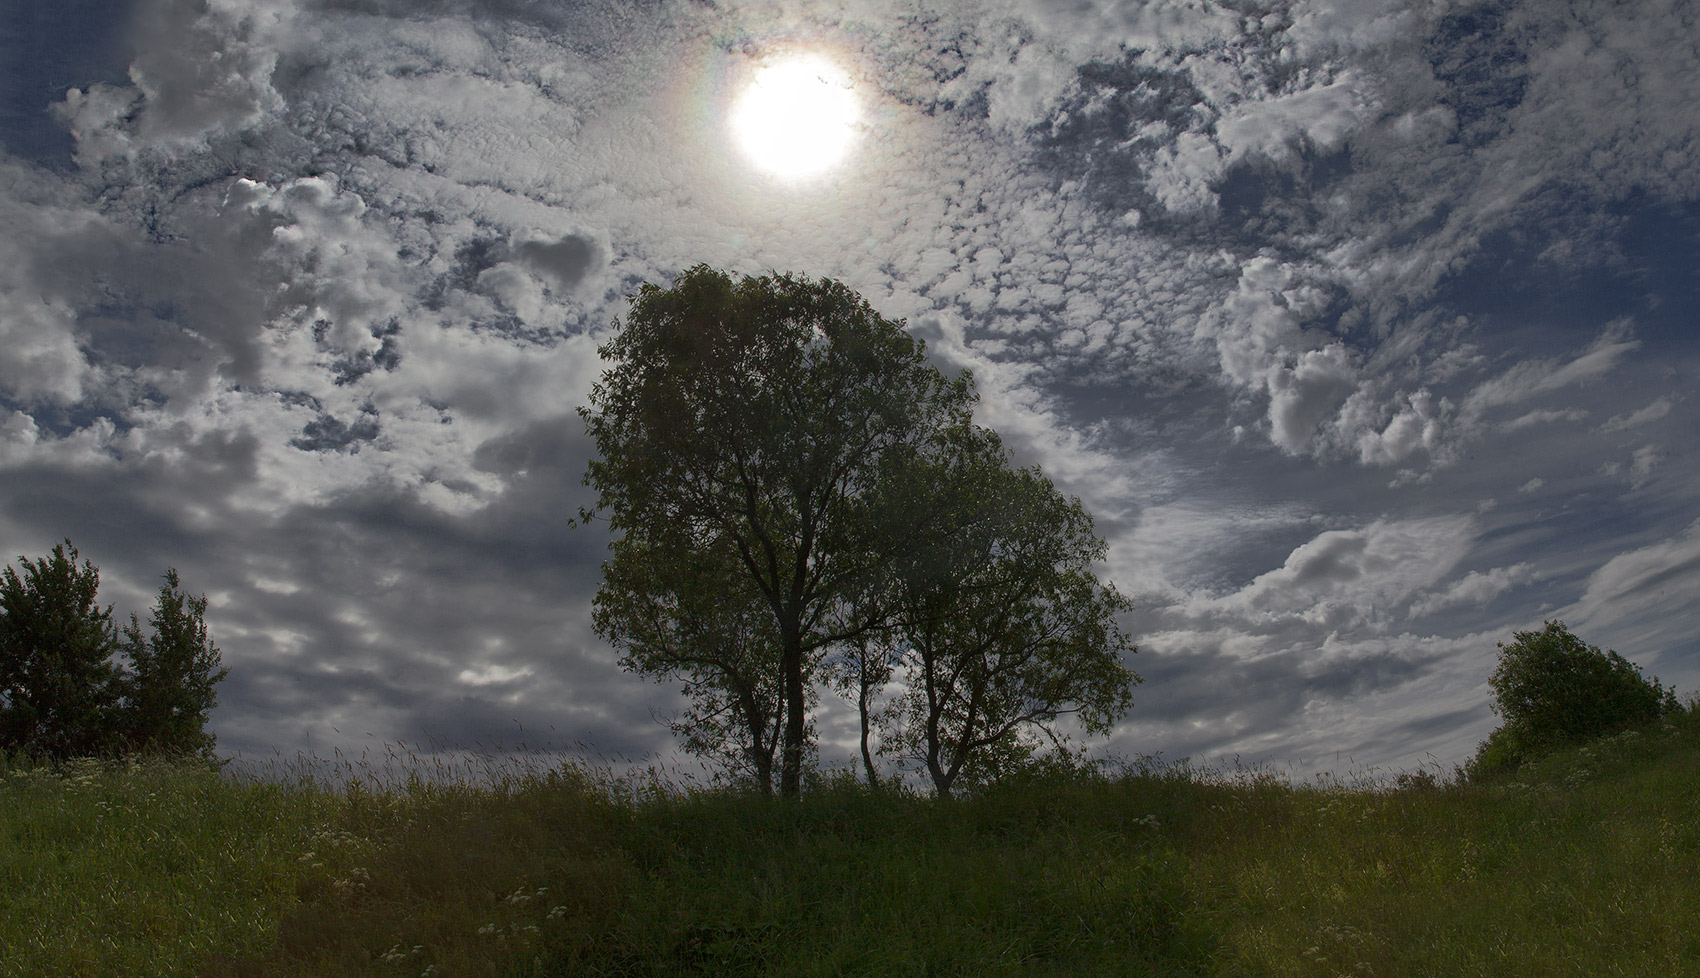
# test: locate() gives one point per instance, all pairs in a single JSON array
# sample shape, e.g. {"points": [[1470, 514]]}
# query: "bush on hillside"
{"points": [[1554, 690]]}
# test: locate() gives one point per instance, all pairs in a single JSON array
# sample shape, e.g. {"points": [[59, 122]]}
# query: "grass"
{"points": [[1582, 864]]}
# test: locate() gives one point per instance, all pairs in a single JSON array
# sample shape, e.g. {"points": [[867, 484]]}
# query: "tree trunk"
{"points": [[791, 672], [862, 707]]}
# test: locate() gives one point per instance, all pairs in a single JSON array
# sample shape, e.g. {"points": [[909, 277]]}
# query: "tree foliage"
{"points": [[696, 617], [1000, 628], [63, 691], [769, 456], [170, 688], [753, 418], [1554, 690], [57, 682]]}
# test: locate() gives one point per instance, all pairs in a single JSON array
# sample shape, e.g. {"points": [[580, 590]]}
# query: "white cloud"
{"points": [[201, 68], [1320, 117], [1355, 577], [342, 270], [1537, 376], [1182, 172], [1543, 416], [1641, 466], [1655, 410], [1327, 26], [1640, 600], [1474, 588], [1417, 424], [1302, 395]]}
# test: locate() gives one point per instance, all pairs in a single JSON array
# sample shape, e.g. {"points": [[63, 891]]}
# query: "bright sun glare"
{"points": [[797, 117]]}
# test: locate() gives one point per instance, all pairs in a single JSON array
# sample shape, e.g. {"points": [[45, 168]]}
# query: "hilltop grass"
{"points": [[1582, 864]]}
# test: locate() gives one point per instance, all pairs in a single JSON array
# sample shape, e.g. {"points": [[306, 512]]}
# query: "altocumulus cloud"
{"points": [[1364, 329]]}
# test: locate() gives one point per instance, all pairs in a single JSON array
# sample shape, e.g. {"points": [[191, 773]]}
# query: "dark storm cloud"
{"points": [[564, 262]]}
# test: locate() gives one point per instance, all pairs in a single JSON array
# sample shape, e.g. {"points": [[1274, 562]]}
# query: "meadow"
{"points": [[1582, 864]]}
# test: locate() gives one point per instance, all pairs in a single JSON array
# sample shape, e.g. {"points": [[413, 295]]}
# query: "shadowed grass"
{"points": [[1581, 864], [144, 868]]}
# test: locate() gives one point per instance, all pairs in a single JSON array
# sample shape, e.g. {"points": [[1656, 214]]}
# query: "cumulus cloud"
{"points": [[1418, 424], [1302, 395], [202, 68], [1320, 118], [1355, 577]]}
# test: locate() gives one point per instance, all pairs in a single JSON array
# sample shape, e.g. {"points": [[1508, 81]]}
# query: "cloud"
{"points": [[1541, 375], [1656, 409], [1545, 416], [1636, 599], [1475, 588], [1641, 466], [1302, 395], [1354, 577], [564, 262], [1419, 424], [201, 69], [1319, 118]]}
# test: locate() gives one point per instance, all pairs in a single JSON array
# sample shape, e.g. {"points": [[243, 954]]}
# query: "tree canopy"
{"points": [[170, 688], [768, 456], [64, 692], [1001, 628], [1553, 689], [57, 682]]}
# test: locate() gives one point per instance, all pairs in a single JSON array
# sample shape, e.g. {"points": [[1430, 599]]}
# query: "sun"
{"points": [[797, 117]]}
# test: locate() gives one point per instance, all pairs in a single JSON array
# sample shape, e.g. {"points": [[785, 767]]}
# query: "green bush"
{"points": [[1555, 690]]}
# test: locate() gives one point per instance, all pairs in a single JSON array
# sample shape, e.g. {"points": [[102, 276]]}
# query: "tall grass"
{"points": [[1582, 864]]}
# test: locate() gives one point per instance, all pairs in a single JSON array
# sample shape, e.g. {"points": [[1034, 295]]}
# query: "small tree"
{"points": [[1001, 628], [169, 691], [1554, 690], [684, 619], [58, 687]]}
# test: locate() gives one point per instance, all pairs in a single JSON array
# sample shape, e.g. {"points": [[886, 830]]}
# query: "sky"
{"points": [[1366, 330]]}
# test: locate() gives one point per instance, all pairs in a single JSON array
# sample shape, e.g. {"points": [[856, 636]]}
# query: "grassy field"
{"points": [[1584, 864]]}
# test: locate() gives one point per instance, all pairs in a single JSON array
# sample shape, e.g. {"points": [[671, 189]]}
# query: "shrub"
{"points": [[1555, 690]]}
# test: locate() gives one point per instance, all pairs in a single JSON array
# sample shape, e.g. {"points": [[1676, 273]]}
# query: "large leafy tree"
{"points": [[169, 691], [748, 424], [58, 685], [1553, 689], [999, 629]]}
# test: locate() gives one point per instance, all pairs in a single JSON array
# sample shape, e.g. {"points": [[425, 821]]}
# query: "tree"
{"points": [[686, 618], [1003, 629], [58, 687], [748, 424], [1555, 690], [169, 691]]}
